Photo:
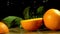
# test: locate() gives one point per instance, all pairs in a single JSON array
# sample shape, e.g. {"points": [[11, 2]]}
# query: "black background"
{"points": [[16, 7]]}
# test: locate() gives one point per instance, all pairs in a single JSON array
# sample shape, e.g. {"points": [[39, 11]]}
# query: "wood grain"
{"points": [[22, 31]]}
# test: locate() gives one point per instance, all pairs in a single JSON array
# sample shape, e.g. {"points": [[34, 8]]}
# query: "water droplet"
{"points": [[34, 1], [11, 3], [44, 1], [7, 4]]}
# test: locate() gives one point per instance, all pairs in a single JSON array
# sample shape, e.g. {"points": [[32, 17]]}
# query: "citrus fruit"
{"points": [[31, 24], [52, 19], [3, 28]]}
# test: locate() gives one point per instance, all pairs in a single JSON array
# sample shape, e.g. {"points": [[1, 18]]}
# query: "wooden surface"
{"points": [[40, 32], [14, 31], [18, 31]]}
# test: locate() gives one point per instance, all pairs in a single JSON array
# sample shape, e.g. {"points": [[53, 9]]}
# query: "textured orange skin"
{"points": [[3, 28], [31, 24], [52, 19]]}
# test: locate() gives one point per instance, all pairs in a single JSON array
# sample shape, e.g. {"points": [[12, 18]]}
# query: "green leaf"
{"points": [[40, 9], [17, 20], [12, 20], [8, 20], [26, 13]]}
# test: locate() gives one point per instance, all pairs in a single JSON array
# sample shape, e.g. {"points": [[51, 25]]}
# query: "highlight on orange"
{"points": [[3, 28]]}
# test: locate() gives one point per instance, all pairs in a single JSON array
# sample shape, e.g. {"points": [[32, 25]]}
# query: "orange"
{"points": [[31, 24], [3, 28], [52, 19]]}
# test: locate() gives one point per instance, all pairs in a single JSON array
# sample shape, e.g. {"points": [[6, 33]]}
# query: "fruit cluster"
{"points": [[50, 19]]}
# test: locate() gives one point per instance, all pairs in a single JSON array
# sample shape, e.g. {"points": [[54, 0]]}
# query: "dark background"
{"points": [[16, 7]]}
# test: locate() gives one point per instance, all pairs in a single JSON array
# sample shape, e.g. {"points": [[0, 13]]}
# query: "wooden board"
{"points": [[22, 31], [14, 31]]}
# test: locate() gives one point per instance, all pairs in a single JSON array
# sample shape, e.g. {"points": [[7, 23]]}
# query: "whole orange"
{"points": [[3, 28], [52, 19], [31, 24]]}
